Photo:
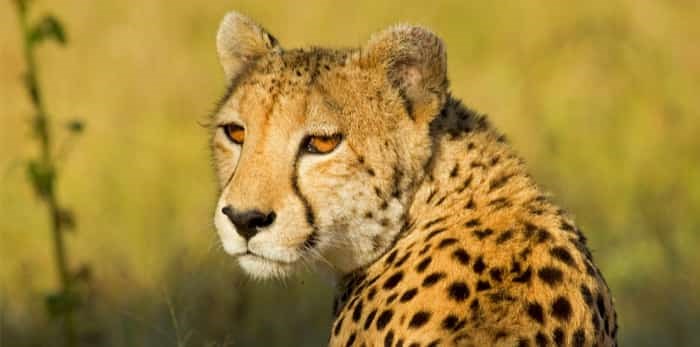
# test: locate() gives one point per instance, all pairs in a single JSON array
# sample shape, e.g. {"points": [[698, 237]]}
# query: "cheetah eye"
{"points": [[234, 132], [322, 144]]}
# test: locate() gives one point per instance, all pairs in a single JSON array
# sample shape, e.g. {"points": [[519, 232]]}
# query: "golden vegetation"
{"points": [[600, 97]]}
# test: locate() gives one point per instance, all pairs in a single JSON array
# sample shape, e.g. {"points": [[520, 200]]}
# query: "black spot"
{"points": [[595, 320], [587, 295], [384, 205], [458, 291], [504, 236], [433, 222], [472, 223], [450, 322], [550, 275], [541, 340], [392, 256], [499, 182], [433, 278], [500, 203], [465, 184], [559, 337], [434, 233], [590, 269], [392, 281], [524, 277], [482, 285], [501, 296], [461, 256], [470, 204], [425, 249], [515, 267], [446, 242], [482, 234], [535, 311], [442, 199], [525, 252], [389, 339], [338, 325], [579, 338], [454, 171], [542, 236], [479, 265], [561, 309], [351, 339], [384, 319], [357, 312], [601, 306], [419, 319], [370, 318], [500, 335], [430, 196], [563, 255], [372, 292], [496, 274], [371, 172], [529, 229], [567, 227], [474, 306], [423, 264], [408, 295], [402, 260], [369, 215], [399, 343], [523, 343]]}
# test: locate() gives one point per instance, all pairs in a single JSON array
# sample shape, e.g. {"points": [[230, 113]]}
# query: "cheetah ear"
{"points": [[415, 62], [241, 41]]}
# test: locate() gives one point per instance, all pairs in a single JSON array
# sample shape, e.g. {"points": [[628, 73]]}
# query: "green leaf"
{"points": [[48, 28], [41, 177], [61, 303], [75, 126]]}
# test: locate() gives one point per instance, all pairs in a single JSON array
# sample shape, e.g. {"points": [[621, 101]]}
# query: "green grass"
{"points": [[600, 97]]}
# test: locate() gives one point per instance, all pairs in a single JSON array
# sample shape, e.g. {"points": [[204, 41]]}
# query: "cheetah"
{"points": [[361, 163]]}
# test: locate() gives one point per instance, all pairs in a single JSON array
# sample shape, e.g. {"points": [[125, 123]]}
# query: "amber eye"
{"points": [[322, 144], [235, 133]]}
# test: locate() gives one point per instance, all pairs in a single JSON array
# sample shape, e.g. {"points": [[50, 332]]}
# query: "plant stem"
{"points": [[41, 127]]}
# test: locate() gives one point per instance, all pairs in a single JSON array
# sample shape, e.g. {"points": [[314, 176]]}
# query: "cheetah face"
{"points": [[317, 150]]}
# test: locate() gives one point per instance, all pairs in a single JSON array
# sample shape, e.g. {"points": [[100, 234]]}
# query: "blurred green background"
{"points": [[601, 98]]}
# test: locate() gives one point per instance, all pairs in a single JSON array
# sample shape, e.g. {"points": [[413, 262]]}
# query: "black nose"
{"points": [[248, 223]]}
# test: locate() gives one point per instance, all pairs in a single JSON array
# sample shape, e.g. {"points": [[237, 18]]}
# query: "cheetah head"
{"points": [[318, 151]]}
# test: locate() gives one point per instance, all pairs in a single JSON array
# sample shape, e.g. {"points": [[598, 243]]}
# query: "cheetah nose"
{"points": [[248, 223]]}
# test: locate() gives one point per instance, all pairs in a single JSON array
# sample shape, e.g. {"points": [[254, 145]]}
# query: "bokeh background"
{"points": [[601, 98]]}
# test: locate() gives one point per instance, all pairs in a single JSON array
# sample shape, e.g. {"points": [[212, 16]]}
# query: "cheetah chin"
{"points": [[360, 162]]}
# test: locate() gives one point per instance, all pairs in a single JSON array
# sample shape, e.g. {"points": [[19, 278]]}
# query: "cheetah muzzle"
{"points": [[359, 161]]}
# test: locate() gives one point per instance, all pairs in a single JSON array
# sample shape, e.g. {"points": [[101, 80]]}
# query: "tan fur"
{"points": [[419, 189]]}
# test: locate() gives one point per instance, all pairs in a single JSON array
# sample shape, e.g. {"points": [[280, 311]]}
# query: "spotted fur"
{"points": [[424, 212]]}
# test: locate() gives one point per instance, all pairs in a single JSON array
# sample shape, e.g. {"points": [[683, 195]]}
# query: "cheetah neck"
{"points": [[471, 170]]}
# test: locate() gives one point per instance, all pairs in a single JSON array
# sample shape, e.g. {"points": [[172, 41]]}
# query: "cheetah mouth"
{"points": [[254, 256]]}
